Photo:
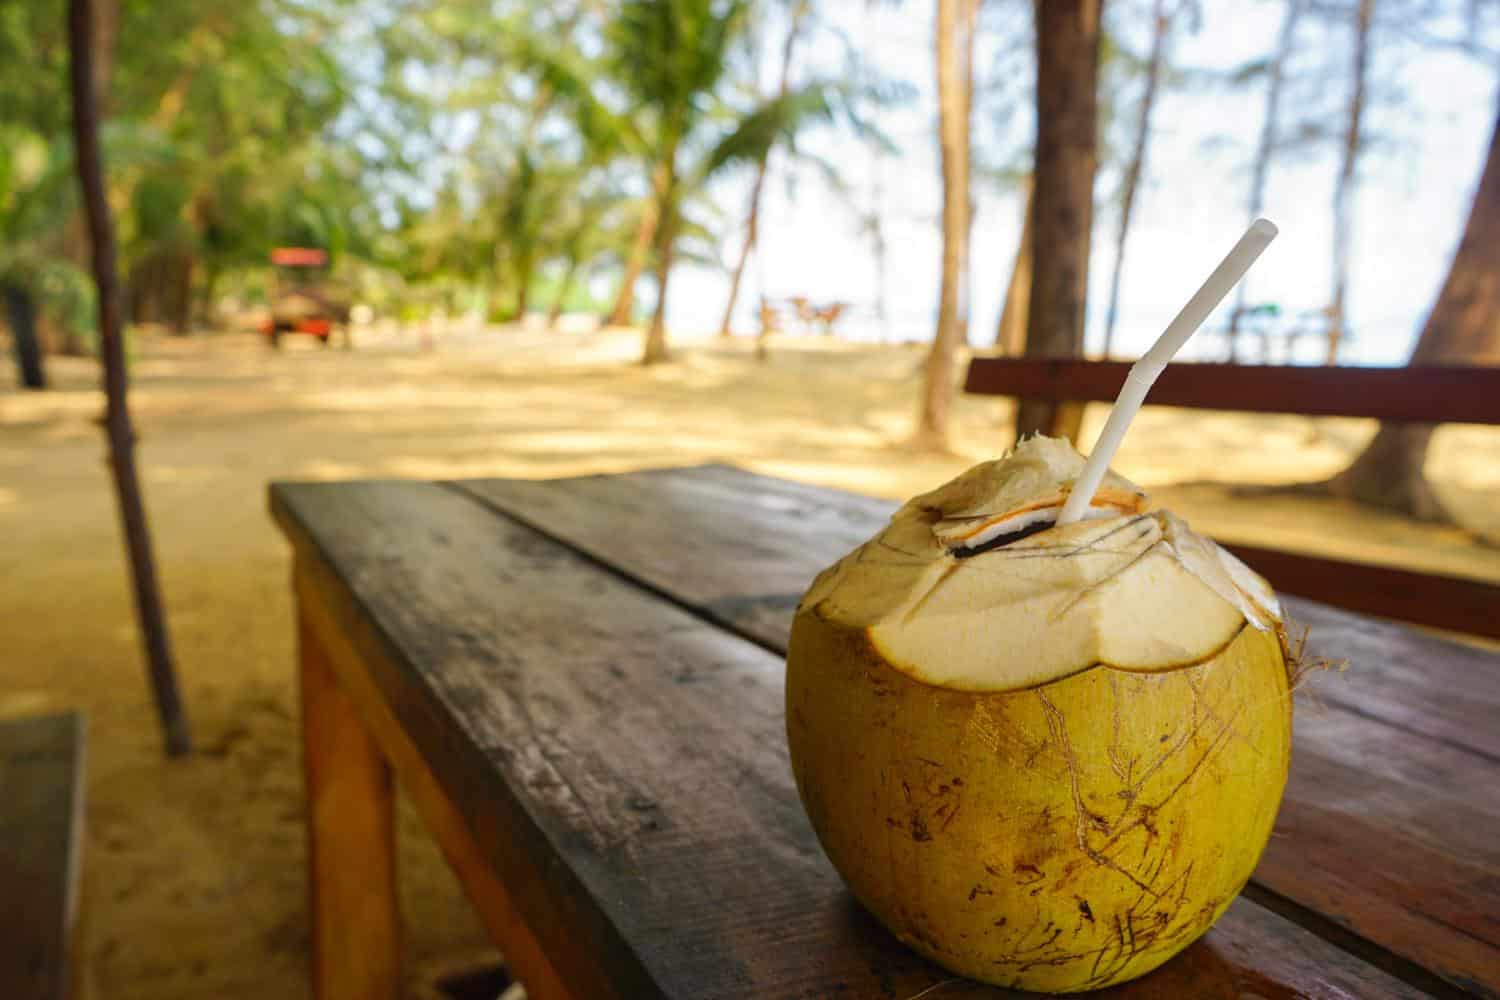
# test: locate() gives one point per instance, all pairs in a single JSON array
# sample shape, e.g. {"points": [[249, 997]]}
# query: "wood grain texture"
{"points": [[41, 827], [1387, 825], [620, 765], [524, 958], [1433, 394], [351, 841]]}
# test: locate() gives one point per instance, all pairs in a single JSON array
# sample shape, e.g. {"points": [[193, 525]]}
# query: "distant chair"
{"points": [[826, 316]]}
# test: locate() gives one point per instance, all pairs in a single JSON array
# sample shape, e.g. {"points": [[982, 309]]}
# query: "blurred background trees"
{"points": [[502, 157]]}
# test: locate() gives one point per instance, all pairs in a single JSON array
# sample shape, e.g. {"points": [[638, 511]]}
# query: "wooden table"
{"points": [[579, 682]]}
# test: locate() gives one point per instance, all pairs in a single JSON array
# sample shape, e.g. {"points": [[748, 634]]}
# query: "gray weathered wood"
{"points": [[621, 763], [41, 825], [1393, 839]]}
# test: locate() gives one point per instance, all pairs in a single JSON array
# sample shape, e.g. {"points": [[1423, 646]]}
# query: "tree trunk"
{"points": [[873, 223], [208, 296], [1066, 157], [645, 231], [879, 247], [656, 335], [1010, 336], [955, 78], [1260, 168], [752, 225], [523, 290], [180, 292], [1161, 29], [1343, 192], [112, 354], [555, 313], [1462, 328], [20, 310], [799, 15]]}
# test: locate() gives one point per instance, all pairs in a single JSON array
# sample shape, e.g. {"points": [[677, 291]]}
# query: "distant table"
{"points": [[579, 683]]}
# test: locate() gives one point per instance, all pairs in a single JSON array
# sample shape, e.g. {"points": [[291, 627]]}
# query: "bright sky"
{"points": [[1431, 116]]}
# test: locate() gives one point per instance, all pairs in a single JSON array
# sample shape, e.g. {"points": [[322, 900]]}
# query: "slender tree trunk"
{"points": [[1161, 29], [873, 222], [665, 183], [955, 69], [112, 354], [645, 231], [20, 310], [523, 290], [752, 218], [752, 226], [1462, 328], [1344, 190], [209, 296], [1010, 336], [563, 290], [1066, 157], [879, 249], [180, 292], [1265, 150]]}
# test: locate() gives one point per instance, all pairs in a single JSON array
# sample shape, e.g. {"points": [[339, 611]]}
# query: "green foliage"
{"points": [[472, 143]]}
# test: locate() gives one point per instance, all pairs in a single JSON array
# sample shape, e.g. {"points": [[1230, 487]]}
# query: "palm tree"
{"points": [[654, 92], [1463, 328], [798, 14], [1163, 15], [956, 23]]}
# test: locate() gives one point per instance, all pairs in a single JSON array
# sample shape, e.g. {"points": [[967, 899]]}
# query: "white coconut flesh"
{"points": [[974, 587]]}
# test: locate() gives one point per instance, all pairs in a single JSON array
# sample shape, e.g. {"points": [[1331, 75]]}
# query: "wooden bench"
{"points": [[1426, 394], [41, 825]]}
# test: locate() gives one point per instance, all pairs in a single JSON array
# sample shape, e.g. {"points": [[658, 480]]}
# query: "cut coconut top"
{"points": [[972, 586]]}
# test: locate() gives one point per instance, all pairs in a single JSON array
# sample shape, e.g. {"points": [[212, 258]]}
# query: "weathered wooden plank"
{"points": [[351, 841], [1414, 682], [1420, 787], [743, 548], [621, 765], [1424, 393], [523, 955], [41, 827]]}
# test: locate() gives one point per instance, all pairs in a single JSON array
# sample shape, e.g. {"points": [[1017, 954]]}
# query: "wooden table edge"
{"points": [[327, 646]]}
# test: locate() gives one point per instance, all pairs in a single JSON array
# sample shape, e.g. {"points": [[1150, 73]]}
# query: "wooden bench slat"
{"points": [[717, 539], [41, 822], [622, 764], [1422, 394], [1438, 601]]}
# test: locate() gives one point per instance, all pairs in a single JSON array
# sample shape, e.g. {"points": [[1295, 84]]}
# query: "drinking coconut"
{"points": [[1045, 756]]}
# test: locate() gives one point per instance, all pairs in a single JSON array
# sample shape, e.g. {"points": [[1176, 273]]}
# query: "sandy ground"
{"points": [[194, 881]]}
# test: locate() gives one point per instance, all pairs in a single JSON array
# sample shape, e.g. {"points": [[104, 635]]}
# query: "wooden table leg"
{"points": [[351, 840]]}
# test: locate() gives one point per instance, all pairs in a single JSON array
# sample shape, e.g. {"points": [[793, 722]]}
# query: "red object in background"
{"points": [[298, 257], [318, 327]]}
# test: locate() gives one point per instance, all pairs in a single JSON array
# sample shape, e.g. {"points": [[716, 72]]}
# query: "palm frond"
{"points": [[757, 131]]}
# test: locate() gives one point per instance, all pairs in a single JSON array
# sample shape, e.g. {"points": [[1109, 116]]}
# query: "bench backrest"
{"points": [[1437, 394], [1423, 394]]}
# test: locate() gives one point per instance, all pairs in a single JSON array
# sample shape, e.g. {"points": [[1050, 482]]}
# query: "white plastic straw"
{"points": [[1144, 372]]}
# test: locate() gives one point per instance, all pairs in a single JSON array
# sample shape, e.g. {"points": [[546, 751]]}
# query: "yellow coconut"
{"points": [[1044, 757]]}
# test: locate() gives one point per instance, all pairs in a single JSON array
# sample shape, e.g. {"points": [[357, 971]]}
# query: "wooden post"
{"points": [[351, 843], [117, 427]]}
